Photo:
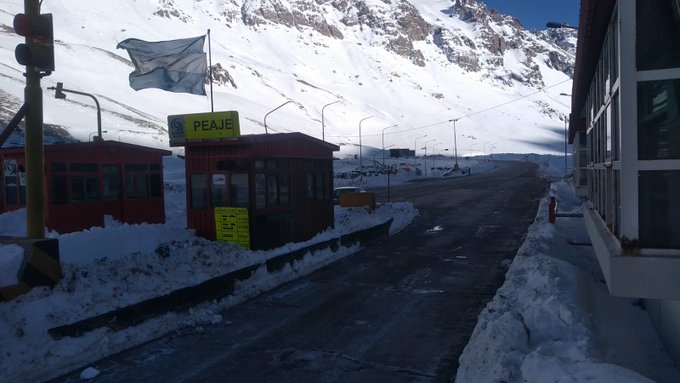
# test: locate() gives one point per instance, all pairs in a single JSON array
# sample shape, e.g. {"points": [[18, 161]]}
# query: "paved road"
{"points": [[399, 311]]}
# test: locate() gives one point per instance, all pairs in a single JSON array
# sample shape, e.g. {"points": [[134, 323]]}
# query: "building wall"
{"points": [[633, 158]]}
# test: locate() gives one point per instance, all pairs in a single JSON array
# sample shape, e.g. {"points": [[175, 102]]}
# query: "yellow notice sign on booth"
{"points": [[203, 126], [232, 226]]}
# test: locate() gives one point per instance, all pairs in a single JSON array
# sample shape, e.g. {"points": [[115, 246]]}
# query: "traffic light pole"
{"points": [[34, 149]]}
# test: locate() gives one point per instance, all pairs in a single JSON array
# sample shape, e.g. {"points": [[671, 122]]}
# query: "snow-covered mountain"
{"points": [[416, 64]]}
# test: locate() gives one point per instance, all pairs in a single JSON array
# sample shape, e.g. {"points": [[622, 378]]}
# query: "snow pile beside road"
{"points": [[108, 268], [554, 320]]}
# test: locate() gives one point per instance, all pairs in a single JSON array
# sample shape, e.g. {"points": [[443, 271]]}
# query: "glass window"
{"points": [[658, 119], [239, 190], [111, 182], [659, 209], [658, 34], [78, 188], [141, 185], [272, 190], [284, 193], [59, 192], [319, 186], [199, 190], [129, 186], [84, 188], [156, 185], [218, 190]]}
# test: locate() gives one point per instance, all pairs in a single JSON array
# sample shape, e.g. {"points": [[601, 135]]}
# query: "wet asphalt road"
{"points": [[401, 310]]}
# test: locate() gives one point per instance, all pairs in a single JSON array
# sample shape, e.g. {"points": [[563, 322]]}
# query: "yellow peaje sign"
{"points": [[203, 126], [231, 225]]}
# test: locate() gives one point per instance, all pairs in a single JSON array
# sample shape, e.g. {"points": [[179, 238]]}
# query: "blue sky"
{"points": [[535, 13]]}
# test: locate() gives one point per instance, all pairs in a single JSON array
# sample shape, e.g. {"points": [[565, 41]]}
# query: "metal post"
{"points": [[272, 111], [383, 142], [415, 149], [455, 144], [323, 124], [425, 156], [34, 148], [59, 94], [210, 73], [361, 158], [566, 134]]}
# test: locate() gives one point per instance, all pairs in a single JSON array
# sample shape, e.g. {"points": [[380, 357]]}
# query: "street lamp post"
{"points": [[323, 124], [361, 157], [425, 156], [434, 156], [59, 93], [455, 144], [383, 141], [415, 148], [272, 111]]}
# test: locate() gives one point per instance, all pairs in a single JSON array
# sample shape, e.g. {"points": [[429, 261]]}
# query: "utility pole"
{"points": [[37, 54]]}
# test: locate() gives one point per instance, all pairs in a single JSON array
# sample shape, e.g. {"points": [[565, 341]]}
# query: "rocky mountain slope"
{"points": [[416, 64]]}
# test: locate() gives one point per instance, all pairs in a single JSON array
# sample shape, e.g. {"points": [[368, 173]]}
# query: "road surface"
{"points": [[401, 310]]}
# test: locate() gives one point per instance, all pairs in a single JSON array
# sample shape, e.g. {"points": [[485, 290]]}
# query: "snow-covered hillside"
{"points": [[416, 64]]}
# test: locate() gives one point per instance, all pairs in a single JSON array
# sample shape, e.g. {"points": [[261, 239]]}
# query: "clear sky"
{"points": [[535, 13]]}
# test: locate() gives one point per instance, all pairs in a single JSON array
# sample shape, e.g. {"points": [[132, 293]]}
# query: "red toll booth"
{"points": [[87, 180], [260, 191]]}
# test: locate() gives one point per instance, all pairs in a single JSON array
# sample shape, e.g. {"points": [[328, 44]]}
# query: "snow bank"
{"points": [[11, 259], [554, 321]]}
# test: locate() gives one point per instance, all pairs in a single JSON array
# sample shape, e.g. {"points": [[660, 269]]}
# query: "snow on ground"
{"points": [[120, 264], [552, 321]]}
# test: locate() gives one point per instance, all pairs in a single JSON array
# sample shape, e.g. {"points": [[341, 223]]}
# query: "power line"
{"points": [[465, 115]]}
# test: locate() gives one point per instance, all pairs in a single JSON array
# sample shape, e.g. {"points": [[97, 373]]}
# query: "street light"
{"points": [[455, 144], [425, 155], [361, 157], [434, 155], [415, 147], [59, 93], [323, 124], [272, 111], [383, 140]]}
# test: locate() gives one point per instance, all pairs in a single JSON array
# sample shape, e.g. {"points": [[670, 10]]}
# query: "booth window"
{"points": [[141, 183], [111, 182], [84, 186], [218, 190], [199, 191], [277, 182], [239, 190], [58, 184]]}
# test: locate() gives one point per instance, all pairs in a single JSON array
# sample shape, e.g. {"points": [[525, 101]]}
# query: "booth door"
{"points": [[208, 192]]}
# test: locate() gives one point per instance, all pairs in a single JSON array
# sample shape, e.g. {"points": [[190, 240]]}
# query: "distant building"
{"points": [[87, 180], [625, 126], [399, 153]]}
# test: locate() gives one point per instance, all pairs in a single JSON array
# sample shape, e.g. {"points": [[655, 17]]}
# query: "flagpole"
{"points": [[212, 107]]}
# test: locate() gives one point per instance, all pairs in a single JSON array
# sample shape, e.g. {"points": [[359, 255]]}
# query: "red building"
{"points": [[85, 181], [279, 184]]}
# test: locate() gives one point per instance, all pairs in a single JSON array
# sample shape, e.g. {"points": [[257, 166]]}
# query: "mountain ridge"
{"points": [[406, 63]]}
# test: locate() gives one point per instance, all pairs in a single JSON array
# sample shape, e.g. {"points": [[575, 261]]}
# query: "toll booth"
{"points": [[260, 191], [85, 181]]}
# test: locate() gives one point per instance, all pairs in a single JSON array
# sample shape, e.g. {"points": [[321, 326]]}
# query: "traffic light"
{"points": [[39, 48]]}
